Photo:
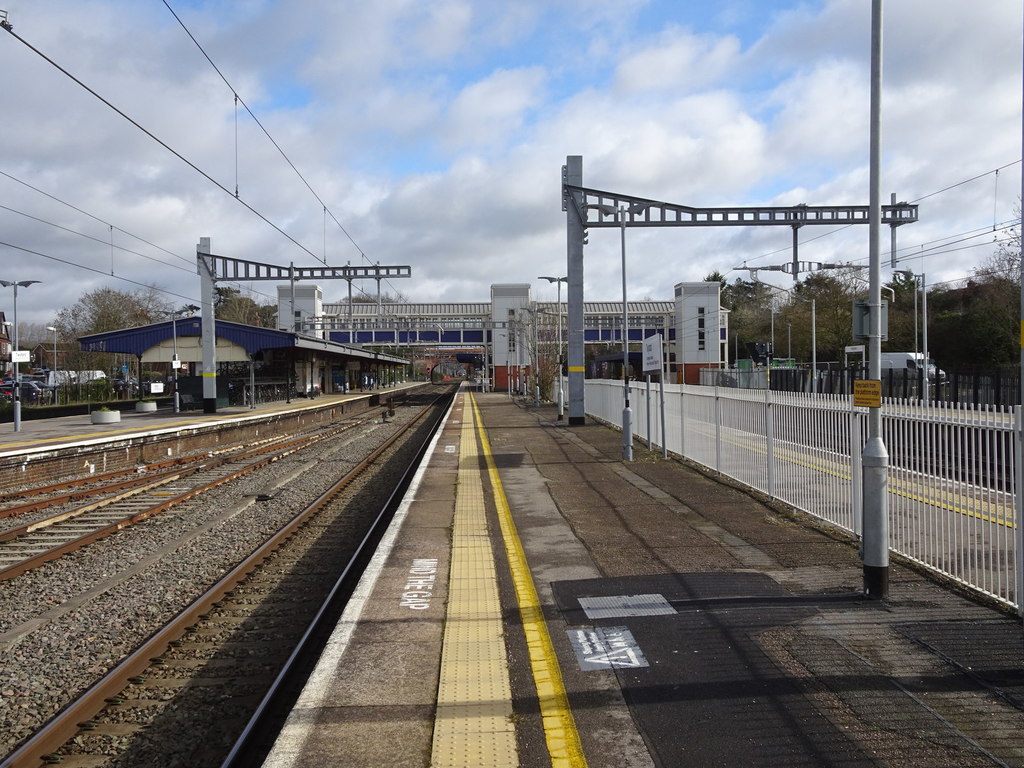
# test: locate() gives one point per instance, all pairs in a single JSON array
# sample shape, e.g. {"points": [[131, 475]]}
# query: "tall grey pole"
{"points": [[1019, 496], [558, 346], [294, 324], [209, 332], [175, 363], [814, 347], [875, 456], [536, 361], [572, 174], [627, 413], [17, 363], [892, 235], [662, 373], [925, 384], [17, 368]]}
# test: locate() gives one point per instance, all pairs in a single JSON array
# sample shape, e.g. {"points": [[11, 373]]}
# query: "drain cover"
{"points": [[617, 606]]}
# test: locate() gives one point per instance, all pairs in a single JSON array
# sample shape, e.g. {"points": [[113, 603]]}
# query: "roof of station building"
{"points": [[252, 339], [483, 309]]}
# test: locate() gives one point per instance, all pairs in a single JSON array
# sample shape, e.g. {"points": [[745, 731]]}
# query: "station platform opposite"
{"points": [[538, 601], [42, 434]]}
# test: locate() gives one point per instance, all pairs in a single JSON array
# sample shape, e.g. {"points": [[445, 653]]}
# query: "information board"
{"points": [[652, 353], [867, 393]]}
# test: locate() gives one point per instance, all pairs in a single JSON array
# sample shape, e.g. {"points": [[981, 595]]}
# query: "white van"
{"points": [[909, 361], [87, 376]]}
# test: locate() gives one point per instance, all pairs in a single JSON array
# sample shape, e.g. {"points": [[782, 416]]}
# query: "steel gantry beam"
{"points": [[243, 270], [586, 208], [598, 209], [212, 268]]}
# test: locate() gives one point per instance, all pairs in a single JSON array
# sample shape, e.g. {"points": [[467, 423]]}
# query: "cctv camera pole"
{"points": [[875, 458]]}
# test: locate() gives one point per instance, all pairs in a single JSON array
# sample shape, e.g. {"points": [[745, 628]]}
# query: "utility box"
{"points": [[862, 320]]}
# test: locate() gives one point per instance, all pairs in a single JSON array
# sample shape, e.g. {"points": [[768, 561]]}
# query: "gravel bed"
{"points": [[91, 608]]}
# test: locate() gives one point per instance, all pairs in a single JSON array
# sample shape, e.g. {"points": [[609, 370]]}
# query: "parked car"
{"points": [[31, 393]]}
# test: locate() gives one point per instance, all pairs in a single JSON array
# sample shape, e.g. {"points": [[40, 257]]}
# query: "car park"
{"points": [[32, 393]]}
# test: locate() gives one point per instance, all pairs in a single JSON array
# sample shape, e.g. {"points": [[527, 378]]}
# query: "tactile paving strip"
{"points": [[473, 726]]}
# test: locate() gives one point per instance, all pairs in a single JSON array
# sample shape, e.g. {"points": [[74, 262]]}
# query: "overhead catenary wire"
{"points": [[51, 257], [996, 227], [155, 138], [92, 216], [240, 100]]}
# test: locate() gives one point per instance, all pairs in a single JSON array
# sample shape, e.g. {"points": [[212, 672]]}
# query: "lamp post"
{"points": [[53, 362], [814, 330], [175, 362], [15, 354], [627, 413], [920, 283], [558, 349]]}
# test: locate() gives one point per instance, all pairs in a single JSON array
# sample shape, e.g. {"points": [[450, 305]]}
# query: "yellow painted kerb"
{"points": [[474, 723], [561, 736]]}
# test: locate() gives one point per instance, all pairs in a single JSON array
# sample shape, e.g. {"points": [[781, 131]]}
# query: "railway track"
{"points": [[24, 501], [126, 502], [183, 696]]}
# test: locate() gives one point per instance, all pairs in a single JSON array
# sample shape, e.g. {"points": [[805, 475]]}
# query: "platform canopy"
{"points": [[156, 343]]}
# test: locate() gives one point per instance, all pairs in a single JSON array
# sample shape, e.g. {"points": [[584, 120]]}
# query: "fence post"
{"points": [[856, 478], [769, 433], [682, 419], [718, 433], [1018, 504]]}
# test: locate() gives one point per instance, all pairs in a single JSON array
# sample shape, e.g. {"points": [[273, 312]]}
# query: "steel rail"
{"points": [[279, 450], [65, 724], [139, 476], [238, 757]]}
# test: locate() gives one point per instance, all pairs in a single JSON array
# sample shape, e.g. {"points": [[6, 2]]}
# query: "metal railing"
{"points": [[952, 476]]}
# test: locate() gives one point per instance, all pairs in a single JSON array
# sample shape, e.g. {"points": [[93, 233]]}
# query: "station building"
{"points": [[512, 329]]}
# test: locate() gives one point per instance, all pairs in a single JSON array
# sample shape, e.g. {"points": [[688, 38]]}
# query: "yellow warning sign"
{"points": [[867, 393]]}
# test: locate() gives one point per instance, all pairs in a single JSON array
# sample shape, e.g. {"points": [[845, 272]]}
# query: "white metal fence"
{"points": [[952, 475]]}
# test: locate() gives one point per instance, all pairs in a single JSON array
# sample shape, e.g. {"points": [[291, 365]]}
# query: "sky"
{"points": [[433, 135]]}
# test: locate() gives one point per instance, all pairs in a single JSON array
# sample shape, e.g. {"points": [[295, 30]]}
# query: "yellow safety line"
{"points": [[474, 724], [563, 740]]}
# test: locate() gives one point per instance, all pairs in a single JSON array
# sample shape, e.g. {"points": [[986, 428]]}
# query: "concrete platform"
{"points": [[45, 433], [678, 621]]}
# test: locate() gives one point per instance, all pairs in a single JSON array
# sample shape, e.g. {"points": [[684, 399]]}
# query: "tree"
{"points": [[229, 304], [974, 325], [105, 309]]}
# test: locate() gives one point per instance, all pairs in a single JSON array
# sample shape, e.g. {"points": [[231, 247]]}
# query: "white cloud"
{"points": [[488, 112], [436, 133], [678, 62]]}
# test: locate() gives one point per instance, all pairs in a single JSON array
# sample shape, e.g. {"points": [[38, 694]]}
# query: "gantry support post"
{"points": [[572, 202]]}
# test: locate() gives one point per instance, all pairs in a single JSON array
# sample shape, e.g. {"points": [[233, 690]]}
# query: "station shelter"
{"points": [[250, 359]]}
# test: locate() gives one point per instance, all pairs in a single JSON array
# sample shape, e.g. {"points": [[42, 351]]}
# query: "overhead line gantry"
{"points": [[586, 208]]}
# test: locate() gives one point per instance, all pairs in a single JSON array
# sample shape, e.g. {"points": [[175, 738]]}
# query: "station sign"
{"points": [[653, 353]]}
